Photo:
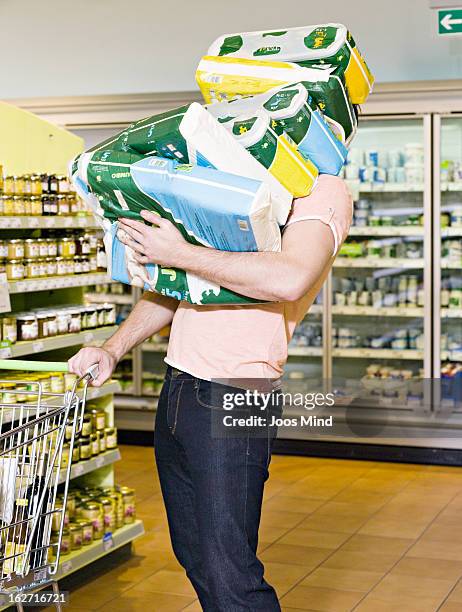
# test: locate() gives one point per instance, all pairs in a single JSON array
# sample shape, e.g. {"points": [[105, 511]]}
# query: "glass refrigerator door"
{"points": [[448, 254], [381, 281]]}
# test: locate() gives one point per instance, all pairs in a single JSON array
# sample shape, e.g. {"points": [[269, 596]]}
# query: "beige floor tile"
{"points": [[269, 534], [450, 606], [324, 600], [283, 576], [395, 587], [133, 601], [436, 550], [329, 522], [361, 561], [295, 555], [285, 503], [166, 581], [405, 604], [393, 528], [376, 544], [194, 607], [313, 538], [343, 579], [281, 518], [442, 569]]}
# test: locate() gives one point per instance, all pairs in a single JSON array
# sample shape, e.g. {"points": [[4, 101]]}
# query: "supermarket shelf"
{"points": [[305, 351], [155, 347], [56, 342], [108, 388], [55, 222], [451, 355], [385, 187], [378, 262], [451, 265], [451, 232], [112, 298], [58, 282], [80, 558], [451, 186], [370, 311], [85, 467], [130, 402], [366, 353], [451, 313], [404, 230]]}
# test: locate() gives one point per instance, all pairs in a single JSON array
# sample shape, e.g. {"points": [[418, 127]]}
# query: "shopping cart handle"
{"points": [[33, 366]]}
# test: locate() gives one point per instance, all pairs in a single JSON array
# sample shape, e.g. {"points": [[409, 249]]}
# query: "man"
{"points": [[213, 487]]}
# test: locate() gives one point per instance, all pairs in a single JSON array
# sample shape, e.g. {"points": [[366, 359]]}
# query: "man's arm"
{"points": [[151, 313], [307, 250]]}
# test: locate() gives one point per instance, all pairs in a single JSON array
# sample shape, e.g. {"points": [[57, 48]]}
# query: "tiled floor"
{"points": [[335, 536]]}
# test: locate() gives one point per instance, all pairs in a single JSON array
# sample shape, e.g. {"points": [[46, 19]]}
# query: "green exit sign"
{"points": [[450, 22]]}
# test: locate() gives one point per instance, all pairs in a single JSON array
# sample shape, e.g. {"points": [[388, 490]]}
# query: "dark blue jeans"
{"points": [[213, 490]]}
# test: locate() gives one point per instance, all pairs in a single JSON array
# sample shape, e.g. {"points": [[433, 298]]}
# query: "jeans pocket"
{"points": [[209, 395], [173, 406]]}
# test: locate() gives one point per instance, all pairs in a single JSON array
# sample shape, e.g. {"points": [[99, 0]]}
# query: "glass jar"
{"points": [[86, 269], [19, 185], [7, 205], [27, 327], [93, 511], [83, 245], [71, 202], [70, 265], [71, 504], [111, 438], [87, 532], [76, 536], [57, 382], [35, 185], [75, 204], [128, 496], [9, 185], [65, 547], [63, 205], [36, 205], [98, 418], [102, 442], [15, 269], [75, 321], [92, 238], [15, 249], [52, 323], [52, 183], [101, 315], [31, 268], [66, 247], [85, 449], [43, 266], [43, 247], [109, 314], [52, 247], [101, 260], [93, 262], [61, 266], [86, 426], [44, 182], [91, 317], [19, 208], [27, 184], [49, 205], [65, 457], [3, 249], [78, 265], [109, 513], [31, 248], [9, 331], [27, 206], [62, 183], [62, 322], [52, 267]]}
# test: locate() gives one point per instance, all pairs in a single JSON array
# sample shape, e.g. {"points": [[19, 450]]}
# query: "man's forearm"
{"points": [[275, 277], [151, 313]]}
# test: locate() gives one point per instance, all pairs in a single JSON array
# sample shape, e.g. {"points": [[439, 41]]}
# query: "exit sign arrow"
{"points": [[450, 22]]}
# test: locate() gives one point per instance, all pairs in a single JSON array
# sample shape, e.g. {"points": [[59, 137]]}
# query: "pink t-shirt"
{"points": [[251, 341]]}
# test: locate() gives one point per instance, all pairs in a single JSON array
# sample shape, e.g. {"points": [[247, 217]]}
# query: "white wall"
{"points": [[84, 47]]}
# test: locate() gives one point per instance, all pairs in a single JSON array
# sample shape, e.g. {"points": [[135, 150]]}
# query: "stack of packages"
{"points": [[280, 109]]}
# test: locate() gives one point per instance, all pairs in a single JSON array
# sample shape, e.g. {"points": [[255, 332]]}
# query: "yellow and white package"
{"points": [[314, 45], [209, 138], [276, 152], [228, 78]]}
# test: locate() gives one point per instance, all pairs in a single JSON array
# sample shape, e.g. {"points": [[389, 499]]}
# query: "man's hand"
{"points": [[162, 243], [87, 357]]}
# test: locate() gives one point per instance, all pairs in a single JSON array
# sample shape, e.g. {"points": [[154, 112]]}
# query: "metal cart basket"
{"points": [[34, 423]]}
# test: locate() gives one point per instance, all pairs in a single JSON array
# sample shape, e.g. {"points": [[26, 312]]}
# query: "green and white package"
{"points": [[315, 45]]}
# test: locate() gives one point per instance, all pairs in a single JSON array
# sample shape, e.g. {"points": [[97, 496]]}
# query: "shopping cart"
{"points": [[33, 427]]}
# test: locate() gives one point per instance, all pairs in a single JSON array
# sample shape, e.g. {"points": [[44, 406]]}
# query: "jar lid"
{"points": [[31, 240], [16, 241], [14, 261], [26, 318]]}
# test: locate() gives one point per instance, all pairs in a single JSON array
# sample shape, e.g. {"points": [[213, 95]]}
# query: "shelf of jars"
{"points": [[372, 311], [379, 262], [451, 313], [55, 222], [371, 353], [123, 299], [392, 230], [305, 351], [455, 355], [20, 349], [58, 282], [85, 467]]}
